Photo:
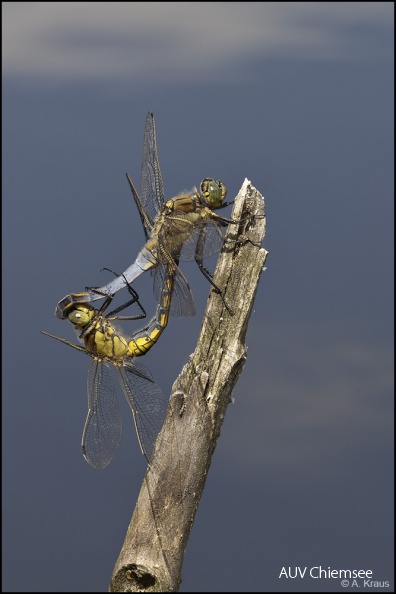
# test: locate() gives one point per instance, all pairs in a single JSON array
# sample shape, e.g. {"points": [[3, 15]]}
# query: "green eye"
{"points": [[81, 316], [214, 192]]}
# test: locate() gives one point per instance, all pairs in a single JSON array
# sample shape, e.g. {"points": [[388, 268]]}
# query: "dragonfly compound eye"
{"points": [[214, 192], [81, 315]]}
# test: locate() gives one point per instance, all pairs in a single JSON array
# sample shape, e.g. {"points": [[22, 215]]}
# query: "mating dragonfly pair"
{"points": [[185, 227]]}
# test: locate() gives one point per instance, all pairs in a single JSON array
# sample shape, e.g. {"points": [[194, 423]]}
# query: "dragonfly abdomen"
{"points": [[144, 261], [148, 337]]}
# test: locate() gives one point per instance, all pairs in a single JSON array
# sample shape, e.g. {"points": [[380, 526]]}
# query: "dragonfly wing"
{"points": [[103, 427], [151, 185], [147, 221], [205, 240], [181, 236], [148, 403], [182, 301]]}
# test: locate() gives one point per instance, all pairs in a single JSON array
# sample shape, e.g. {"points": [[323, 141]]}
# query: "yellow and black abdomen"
{"points": [[147, 338]]}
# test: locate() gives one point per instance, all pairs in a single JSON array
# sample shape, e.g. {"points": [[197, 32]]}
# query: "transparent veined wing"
{"points": [[147, 402], [151, 185], [144, 217], [103, 426], [180, 235], [182, 302], [205, 240]]}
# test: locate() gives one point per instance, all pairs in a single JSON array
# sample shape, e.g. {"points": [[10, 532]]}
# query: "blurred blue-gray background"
{"points": [[298, 98]]}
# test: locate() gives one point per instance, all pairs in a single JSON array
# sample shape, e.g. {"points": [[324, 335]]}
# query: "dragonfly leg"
{"points": [[97, 291], [139, 316], [225, 204], [250, 218], [209, 276], [135, 299], [199, 251], [242, 240], [89, 327]]}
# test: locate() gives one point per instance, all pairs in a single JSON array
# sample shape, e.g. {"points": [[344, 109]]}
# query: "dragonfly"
{"points": [[185, 227], [109, 348]]}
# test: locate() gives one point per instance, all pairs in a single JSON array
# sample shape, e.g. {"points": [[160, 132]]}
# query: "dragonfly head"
{"points": [[81, 315], [68, 303], [214, 192]]}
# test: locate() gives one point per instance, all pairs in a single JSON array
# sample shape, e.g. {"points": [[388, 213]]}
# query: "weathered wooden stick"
{"points": [[152, 555]]}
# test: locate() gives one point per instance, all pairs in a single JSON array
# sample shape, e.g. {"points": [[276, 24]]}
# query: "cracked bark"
{"points": [[152, 554]]}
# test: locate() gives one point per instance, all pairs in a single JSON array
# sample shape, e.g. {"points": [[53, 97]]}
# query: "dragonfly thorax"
{"points": [[184, 202]]}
